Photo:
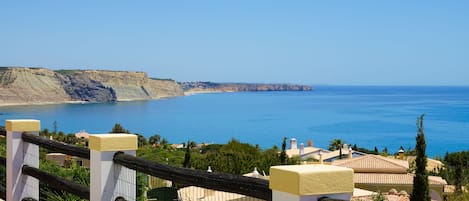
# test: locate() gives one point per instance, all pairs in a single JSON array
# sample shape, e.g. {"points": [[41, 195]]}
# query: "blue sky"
{"points": [[309, 42]]}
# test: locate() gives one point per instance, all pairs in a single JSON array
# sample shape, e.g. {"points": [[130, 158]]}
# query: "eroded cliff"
{"points": [[135, 85], [30, 86], [40, 86]]}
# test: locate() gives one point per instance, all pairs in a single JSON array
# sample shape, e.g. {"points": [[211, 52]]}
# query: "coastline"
{"points": [[190, 93], [42, 103]]}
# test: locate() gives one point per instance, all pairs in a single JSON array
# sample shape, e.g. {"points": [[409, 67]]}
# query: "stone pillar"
{"points": [[21, 153], [108, 180], [310, 182]]}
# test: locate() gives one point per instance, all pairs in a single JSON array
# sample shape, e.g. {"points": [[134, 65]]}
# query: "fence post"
{"points": [[21, 153], [310, 182], [108, 180]]}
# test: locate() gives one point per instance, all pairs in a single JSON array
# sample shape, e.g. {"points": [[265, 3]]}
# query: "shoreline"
{"points": [[41, 103], [75, 102], [190, 93]]}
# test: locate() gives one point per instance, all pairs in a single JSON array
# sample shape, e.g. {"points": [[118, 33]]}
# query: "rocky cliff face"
{"points": [[127, 85], [29, 86], [135, 85], [40, 85], [82, 88], [158, 88], [233, 87]]}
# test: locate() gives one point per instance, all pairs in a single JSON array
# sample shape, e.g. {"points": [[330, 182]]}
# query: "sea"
{"points": [[369, 116]]}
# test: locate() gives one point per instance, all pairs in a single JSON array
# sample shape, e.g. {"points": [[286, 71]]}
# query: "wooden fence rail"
{"points": [[118, 177], [57, 182], [253, 187], [57, 146]]}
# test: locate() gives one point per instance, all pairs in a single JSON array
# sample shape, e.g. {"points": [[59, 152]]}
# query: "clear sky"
{"points": [[310, 42]]}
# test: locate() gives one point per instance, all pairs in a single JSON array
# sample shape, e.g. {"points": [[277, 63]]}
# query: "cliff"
{"points": [[20, 86], [194, 87], [30, 86], [39, 86], [134, 85]]}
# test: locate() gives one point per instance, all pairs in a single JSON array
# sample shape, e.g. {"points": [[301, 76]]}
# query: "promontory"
{"points": [[25, 86]]}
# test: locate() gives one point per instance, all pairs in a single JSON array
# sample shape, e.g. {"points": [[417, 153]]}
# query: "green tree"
{"points": [[118, 129], [155, 139], [142, 141], [164, 143], [336, 144], [458, 175], [187, 156], [55, 127], [283, 154], [375, 150], [385, 152], [420, 191]]}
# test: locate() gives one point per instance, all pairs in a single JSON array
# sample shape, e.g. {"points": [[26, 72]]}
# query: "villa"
{"points": [[320, 154], [378, 173]]}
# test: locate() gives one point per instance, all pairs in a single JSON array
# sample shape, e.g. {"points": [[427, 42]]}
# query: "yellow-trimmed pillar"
{"points": [[108, 180], [21, 153], [310, 182]]}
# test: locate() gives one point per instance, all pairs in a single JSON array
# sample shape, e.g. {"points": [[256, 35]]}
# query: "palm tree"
{"points": [[336, 144]]}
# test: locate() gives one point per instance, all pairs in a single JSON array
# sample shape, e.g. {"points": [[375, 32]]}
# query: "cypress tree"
{"points": [[458, 175], [187, 156], [283, 154], [420, 191]]}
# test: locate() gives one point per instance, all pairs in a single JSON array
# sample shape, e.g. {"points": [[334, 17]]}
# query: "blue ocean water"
{"points": [[362, 115]]}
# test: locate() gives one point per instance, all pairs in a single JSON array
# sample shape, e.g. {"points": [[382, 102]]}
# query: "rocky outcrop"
{"points": [[127, 85], [30, 86], [135, 85], [163, 88], [41, 86], [80, 87], [234, 87]]}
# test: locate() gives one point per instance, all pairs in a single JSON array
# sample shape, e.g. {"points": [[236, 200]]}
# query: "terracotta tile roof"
{"points": [[385, 178], [432, 164], [374, 164]]}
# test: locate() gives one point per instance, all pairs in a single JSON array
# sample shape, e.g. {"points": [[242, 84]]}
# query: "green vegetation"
{"points": [[234, 157], [456, 172], [420, 189], [119, 129], [283, 154], [67, 72], [73, 173], [379, 196], [336, 144]]}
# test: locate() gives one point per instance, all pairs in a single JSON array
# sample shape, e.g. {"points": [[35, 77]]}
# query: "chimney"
{"points": [[320, 157], [350, 152], [401, 154], [255, 173], [293, 144], [310, 143], [302, 149]]}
